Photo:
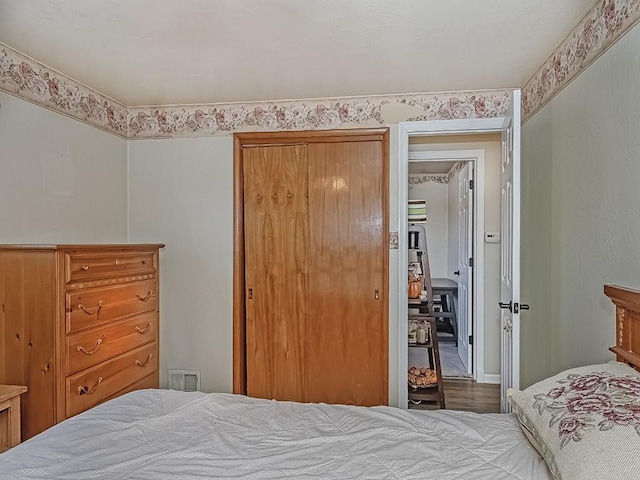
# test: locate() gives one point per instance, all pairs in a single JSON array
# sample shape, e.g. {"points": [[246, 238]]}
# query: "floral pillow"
{"points": [[585, 421]]}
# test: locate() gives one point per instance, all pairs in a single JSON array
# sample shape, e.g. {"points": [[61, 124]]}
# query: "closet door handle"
{"points": [[376, 294]]}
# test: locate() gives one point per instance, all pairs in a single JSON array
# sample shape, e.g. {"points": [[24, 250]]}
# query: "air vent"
{"points": [[184, 380]]}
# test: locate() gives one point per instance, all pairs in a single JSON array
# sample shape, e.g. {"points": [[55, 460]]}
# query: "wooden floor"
{"points": [[467, 395]]}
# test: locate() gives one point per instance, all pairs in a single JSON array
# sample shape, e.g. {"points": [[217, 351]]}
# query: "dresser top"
{"points": [[85, 246]]}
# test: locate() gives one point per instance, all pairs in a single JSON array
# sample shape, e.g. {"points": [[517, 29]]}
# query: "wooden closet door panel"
{"points": [[347, 332], [276, 270]]}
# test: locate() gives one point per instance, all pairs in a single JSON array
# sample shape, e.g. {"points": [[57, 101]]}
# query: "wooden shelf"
{"points": [[420, 345], [433, 393], [424, 393]]}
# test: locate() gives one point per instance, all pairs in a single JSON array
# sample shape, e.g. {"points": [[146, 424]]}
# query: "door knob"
{"points": [[506, 305], [457, 272]]}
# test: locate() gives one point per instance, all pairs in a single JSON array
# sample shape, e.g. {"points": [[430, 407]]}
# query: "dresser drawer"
{"points": [[147, 382], [90, 347], [88, 308], [84, 266], [92, 386]]}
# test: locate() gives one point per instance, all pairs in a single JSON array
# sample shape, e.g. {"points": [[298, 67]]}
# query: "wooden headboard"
{"points": [[627, 302]]}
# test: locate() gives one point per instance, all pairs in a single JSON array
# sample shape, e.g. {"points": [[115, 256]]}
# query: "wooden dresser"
{"points": [[78, 326]]}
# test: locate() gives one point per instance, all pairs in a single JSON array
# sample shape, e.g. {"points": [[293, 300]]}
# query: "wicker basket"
{"points": [[422, 377]]}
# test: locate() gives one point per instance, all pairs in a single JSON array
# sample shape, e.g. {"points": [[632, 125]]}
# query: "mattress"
{"points": [[162, 434]]}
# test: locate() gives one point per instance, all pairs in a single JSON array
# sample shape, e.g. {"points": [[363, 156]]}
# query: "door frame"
{"points": [[247, 139], [405, 131], [477, 157]]}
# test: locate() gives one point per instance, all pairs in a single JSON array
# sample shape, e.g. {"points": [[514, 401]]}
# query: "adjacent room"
{"points": [[338, 239]]}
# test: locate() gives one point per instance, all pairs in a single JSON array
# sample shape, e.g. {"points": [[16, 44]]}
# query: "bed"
{"points": [[158, 434]]}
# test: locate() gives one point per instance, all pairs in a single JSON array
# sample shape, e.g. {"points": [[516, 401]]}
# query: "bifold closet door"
{"points": [[347, 332], [276, 229]]}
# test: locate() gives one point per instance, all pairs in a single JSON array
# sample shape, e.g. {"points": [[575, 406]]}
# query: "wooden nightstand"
{"points": [[10, 415]]}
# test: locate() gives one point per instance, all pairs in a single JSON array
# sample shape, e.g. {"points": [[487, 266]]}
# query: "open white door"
{"points": [[406, 130], [510, 260], [465, 275]]}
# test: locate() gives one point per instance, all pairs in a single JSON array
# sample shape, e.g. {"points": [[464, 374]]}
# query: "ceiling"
{"points": [[417, 167], [159, 52]]}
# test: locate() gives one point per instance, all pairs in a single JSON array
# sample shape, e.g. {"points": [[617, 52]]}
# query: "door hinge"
{"points": [[470, 184], [470, 339], [471, 262]]}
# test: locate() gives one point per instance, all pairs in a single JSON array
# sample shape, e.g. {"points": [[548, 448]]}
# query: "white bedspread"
{"points": [[160, 434]]}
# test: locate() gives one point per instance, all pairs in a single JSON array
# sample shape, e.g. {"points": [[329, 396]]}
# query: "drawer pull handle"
{"points": [[90, 312], [146, 297], [84, 267], [146, 362], [146, 262], [80, 348], [89, 391], [144, 330]]}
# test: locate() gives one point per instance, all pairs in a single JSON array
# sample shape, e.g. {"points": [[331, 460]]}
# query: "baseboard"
{"points": [[492, 378]]}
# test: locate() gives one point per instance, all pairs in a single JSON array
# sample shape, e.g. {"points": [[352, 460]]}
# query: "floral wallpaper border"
{"points": [[345, 112], [31, 80], [605, 23], [418, 179], [444, 178], [25, 77], [456, 168]]}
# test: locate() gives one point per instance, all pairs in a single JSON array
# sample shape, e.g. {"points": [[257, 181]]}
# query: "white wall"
{"points": [[539, 338], [64, 181], [181, 194], [436, 195], [581, 212], [61, 181]]}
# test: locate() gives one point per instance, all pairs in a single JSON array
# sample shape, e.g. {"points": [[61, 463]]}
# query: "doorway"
{"points": [[450, 184], [505, 321]]}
